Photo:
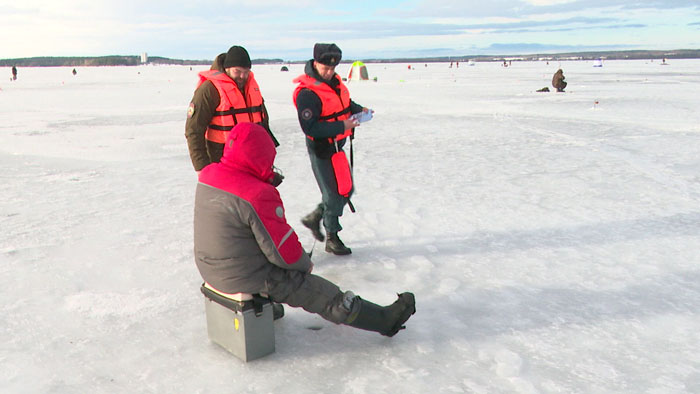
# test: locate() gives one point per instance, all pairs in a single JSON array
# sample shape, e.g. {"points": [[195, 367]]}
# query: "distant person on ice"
{"points": [[227, 94], [558, 80], [324, 108], [243, 243], [14, 73]]}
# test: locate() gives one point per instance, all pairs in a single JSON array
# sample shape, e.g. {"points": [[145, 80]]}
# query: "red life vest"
{"points": [[234, 106], [334, 106]]}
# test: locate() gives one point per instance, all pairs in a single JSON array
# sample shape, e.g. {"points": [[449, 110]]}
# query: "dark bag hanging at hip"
{"points": [[343, 174]]}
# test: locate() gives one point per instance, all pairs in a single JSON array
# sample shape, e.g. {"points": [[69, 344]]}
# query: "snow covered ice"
{"points": [[551, 239]]}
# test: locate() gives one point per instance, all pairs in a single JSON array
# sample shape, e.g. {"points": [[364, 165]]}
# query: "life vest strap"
{"points": [[234, 111], [345, 134], [218, 136], [345, 110], [220, 128]]}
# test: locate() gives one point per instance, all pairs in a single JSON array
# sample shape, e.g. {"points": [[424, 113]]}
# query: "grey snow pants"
{"points": [[311, 292]]}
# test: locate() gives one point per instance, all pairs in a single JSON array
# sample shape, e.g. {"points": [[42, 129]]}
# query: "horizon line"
{"points": [[657, 52]]}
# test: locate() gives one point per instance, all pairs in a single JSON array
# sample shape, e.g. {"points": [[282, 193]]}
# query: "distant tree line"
{"points": [[82, 61], [608, 55]]}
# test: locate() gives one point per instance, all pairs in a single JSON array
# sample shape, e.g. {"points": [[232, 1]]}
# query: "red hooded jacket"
{"points": [[240, 230]]}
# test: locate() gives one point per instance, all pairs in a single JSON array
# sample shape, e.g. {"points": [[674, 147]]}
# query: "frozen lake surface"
{"points": [[552, 240]]}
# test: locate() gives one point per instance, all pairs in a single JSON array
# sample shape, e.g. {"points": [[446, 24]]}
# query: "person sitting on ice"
{"points": [[243, 243], [558, 80]]}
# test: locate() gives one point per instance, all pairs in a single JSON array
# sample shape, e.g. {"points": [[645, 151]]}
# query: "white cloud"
{"points": [[185, 29], [540, 3]]}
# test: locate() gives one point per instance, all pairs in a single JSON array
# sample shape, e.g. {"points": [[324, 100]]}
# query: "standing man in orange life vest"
{"points": [[324, 109], [226, 95]]}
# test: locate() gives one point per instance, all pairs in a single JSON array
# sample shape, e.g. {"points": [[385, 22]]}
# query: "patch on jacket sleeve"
{"points": [[279, 211], [190, 110], [306, 114]]}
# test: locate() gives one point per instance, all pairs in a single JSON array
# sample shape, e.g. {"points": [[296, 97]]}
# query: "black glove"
{"points": [[276, 179]]}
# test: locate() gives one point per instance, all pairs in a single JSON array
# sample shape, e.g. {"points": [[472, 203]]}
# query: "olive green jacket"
{"points": [[199, 114]]}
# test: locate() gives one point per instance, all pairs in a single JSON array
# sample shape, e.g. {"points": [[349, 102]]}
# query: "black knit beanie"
{"points": [[237, 57], [328, 54]]}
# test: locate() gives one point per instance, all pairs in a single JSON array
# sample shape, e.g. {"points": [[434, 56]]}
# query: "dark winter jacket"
{"points": [[309, 108], [240, 230], [200, 113], [558, 80]]}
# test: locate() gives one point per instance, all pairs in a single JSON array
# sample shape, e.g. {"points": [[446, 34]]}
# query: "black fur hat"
{"points": [[328, 54]]}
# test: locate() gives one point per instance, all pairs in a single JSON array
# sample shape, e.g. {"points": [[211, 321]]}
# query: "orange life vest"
{"points": [[234, 106], [334, 106]]}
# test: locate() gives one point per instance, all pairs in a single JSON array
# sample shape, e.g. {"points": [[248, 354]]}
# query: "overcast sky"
{"points": [[363, 29]]}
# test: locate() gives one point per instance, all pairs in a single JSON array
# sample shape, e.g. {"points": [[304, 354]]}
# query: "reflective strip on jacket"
{"points": [[334, 106], [234, 106]]}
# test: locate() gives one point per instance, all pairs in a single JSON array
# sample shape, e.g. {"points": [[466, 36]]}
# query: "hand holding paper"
{"points": [[364, 116]]}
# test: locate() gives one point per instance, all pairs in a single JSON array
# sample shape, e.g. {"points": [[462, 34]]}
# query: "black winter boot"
{"points": [[312, 221], [277, 311], [336, 246], [386, 320]]}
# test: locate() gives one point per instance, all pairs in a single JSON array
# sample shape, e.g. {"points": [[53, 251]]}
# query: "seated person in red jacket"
{"points": [[243, 243]]}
